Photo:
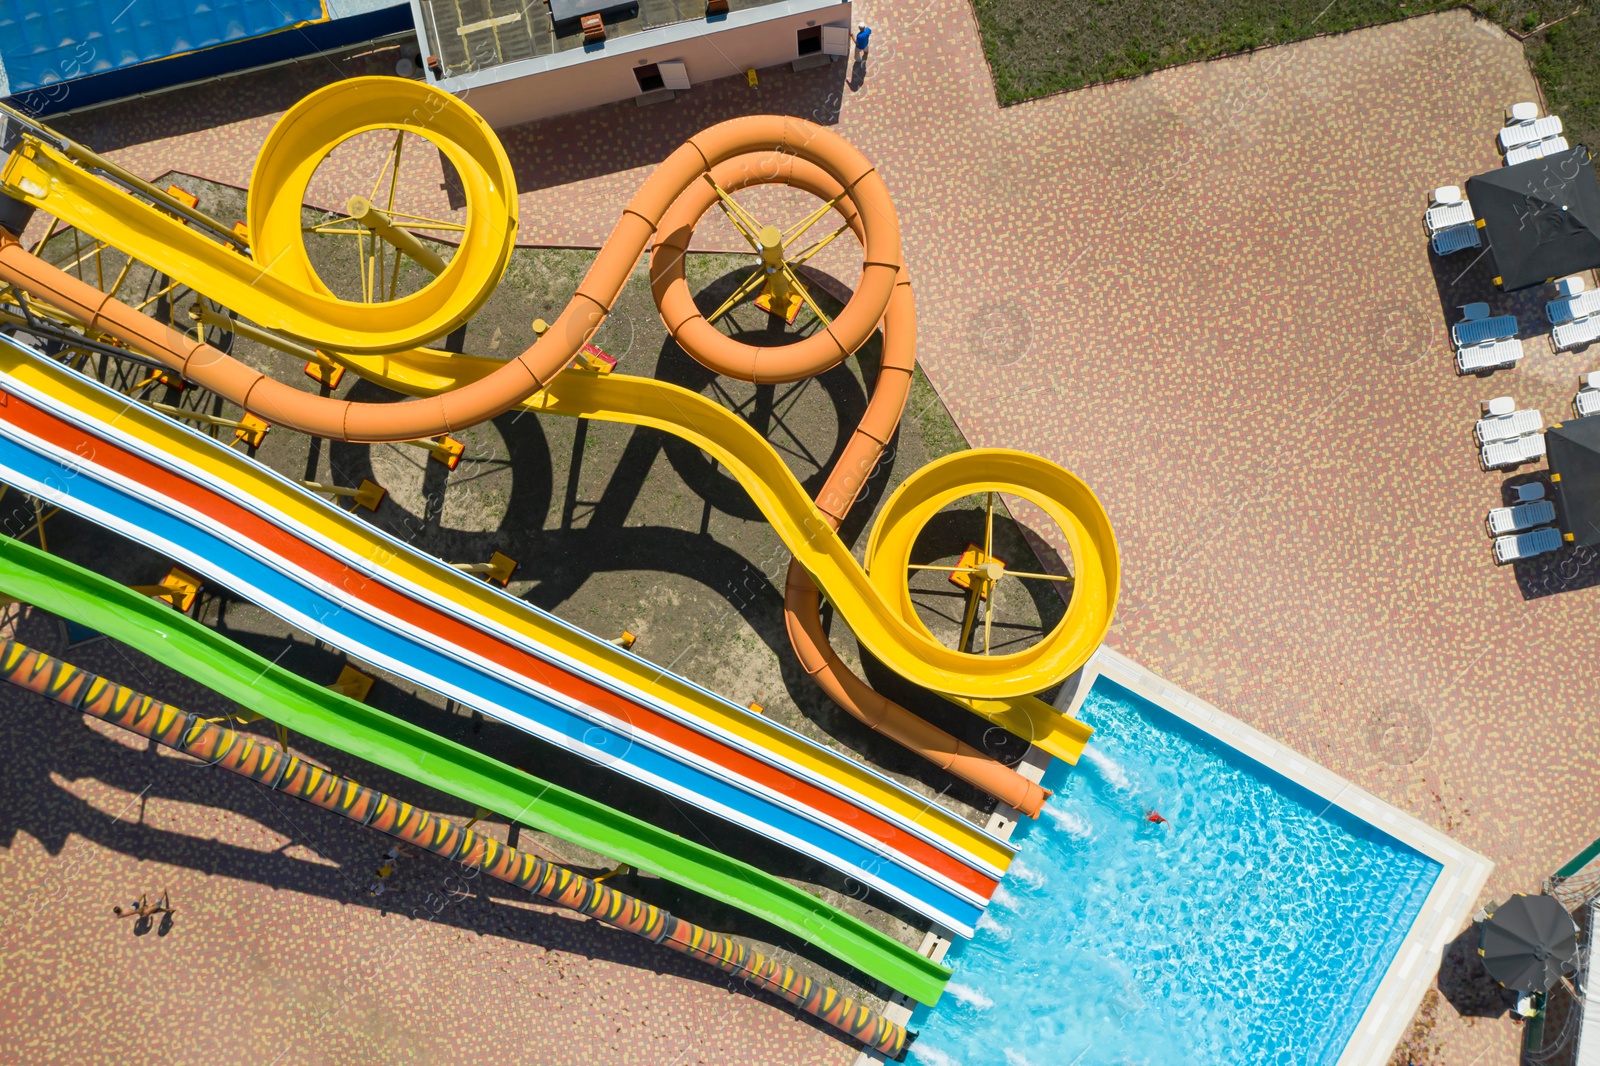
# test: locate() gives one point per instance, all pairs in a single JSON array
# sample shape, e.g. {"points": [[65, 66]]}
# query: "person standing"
{"points": [[858, 76]]}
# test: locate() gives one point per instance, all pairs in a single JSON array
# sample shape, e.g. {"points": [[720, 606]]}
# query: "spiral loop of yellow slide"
{"points": [[298, 144], [277, 287]]}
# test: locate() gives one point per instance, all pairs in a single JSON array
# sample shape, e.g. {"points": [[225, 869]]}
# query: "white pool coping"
{"points": [[1444, 913]]}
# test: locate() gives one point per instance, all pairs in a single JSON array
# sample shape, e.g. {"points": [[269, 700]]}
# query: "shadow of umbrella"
{"points": [[1529, 943]]}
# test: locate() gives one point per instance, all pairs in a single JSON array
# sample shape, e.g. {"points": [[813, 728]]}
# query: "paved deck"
{"points": [[277, 954], [1207, 292]]}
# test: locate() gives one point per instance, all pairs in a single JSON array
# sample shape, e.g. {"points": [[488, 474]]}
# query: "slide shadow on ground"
{"points": [[63, 747]]}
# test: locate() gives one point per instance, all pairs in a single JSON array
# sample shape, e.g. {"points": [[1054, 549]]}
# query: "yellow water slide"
{"points": [[276, 286]]}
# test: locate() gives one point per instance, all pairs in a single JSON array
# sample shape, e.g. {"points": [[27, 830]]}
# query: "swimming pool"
{"points": [[1253, 927]]}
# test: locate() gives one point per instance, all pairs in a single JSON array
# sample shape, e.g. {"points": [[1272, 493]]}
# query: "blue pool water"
{"points": [[1253, 928]]}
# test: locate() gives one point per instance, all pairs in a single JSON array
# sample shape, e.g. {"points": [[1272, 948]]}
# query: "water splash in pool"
{"points": [[1070, 822], [1022, 873], [1109, 768], [987, 924], [970, 996], [1252, 929]]}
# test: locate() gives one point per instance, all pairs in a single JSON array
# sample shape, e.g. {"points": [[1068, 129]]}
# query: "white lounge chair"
{"points": [[1488, 355], [1514, 452], [1477, 330], [1571, 286], [1567, 308], [1522, 133], [1446, 208], [1503, 520], [1577, 332], [1523, 112], [1508, 426], [1443, 216], [1526, 545], [1455, 239], [1536, 150], [1587, 400]]}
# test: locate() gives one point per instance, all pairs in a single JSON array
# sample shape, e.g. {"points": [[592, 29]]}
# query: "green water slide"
{"points": [[70, 591]]}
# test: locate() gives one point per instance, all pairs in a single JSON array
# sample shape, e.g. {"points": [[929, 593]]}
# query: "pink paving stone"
{"points": [[1206, 291]]}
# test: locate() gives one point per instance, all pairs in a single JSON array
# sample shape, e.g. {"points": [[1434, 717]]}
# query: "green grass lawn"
{"points": [[1037, 47]]}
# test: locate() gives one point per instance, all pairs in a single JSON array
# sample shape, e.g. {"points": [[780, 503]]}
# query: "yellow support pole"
{"points": [[779, 299], [318, 366], [249, 429], [353, 683], [369, 495], [446, 450], [360, 209], [179, 589], [498, 569]]}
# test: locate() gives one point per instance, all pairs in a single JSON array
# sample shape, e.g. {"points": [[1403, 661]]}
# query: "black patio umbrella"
{"points": [[1542, 218], [1572, 449], [1528, 943]]}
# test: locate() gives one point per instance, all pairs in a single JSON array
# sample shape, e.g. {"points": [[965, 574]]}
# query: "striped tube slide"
{"points": [[121, 472]]}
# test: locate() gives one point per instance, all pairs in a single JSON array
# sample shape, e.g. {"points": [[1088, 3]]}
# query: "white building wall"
{"points": [[578, 78]]}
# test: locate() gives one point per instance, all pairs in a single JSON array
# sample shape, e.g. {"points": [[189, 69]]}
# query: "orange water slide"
{"points": [[323, 416]]}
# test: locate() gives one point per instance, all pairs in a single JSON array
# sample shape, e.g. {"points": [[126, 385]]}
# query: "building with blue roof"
{"points": [[66, 55]]}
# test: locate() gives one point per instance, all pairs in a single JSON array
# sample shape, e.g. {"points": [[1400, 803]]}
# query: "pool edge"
{"points": [[1449, 903]]}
